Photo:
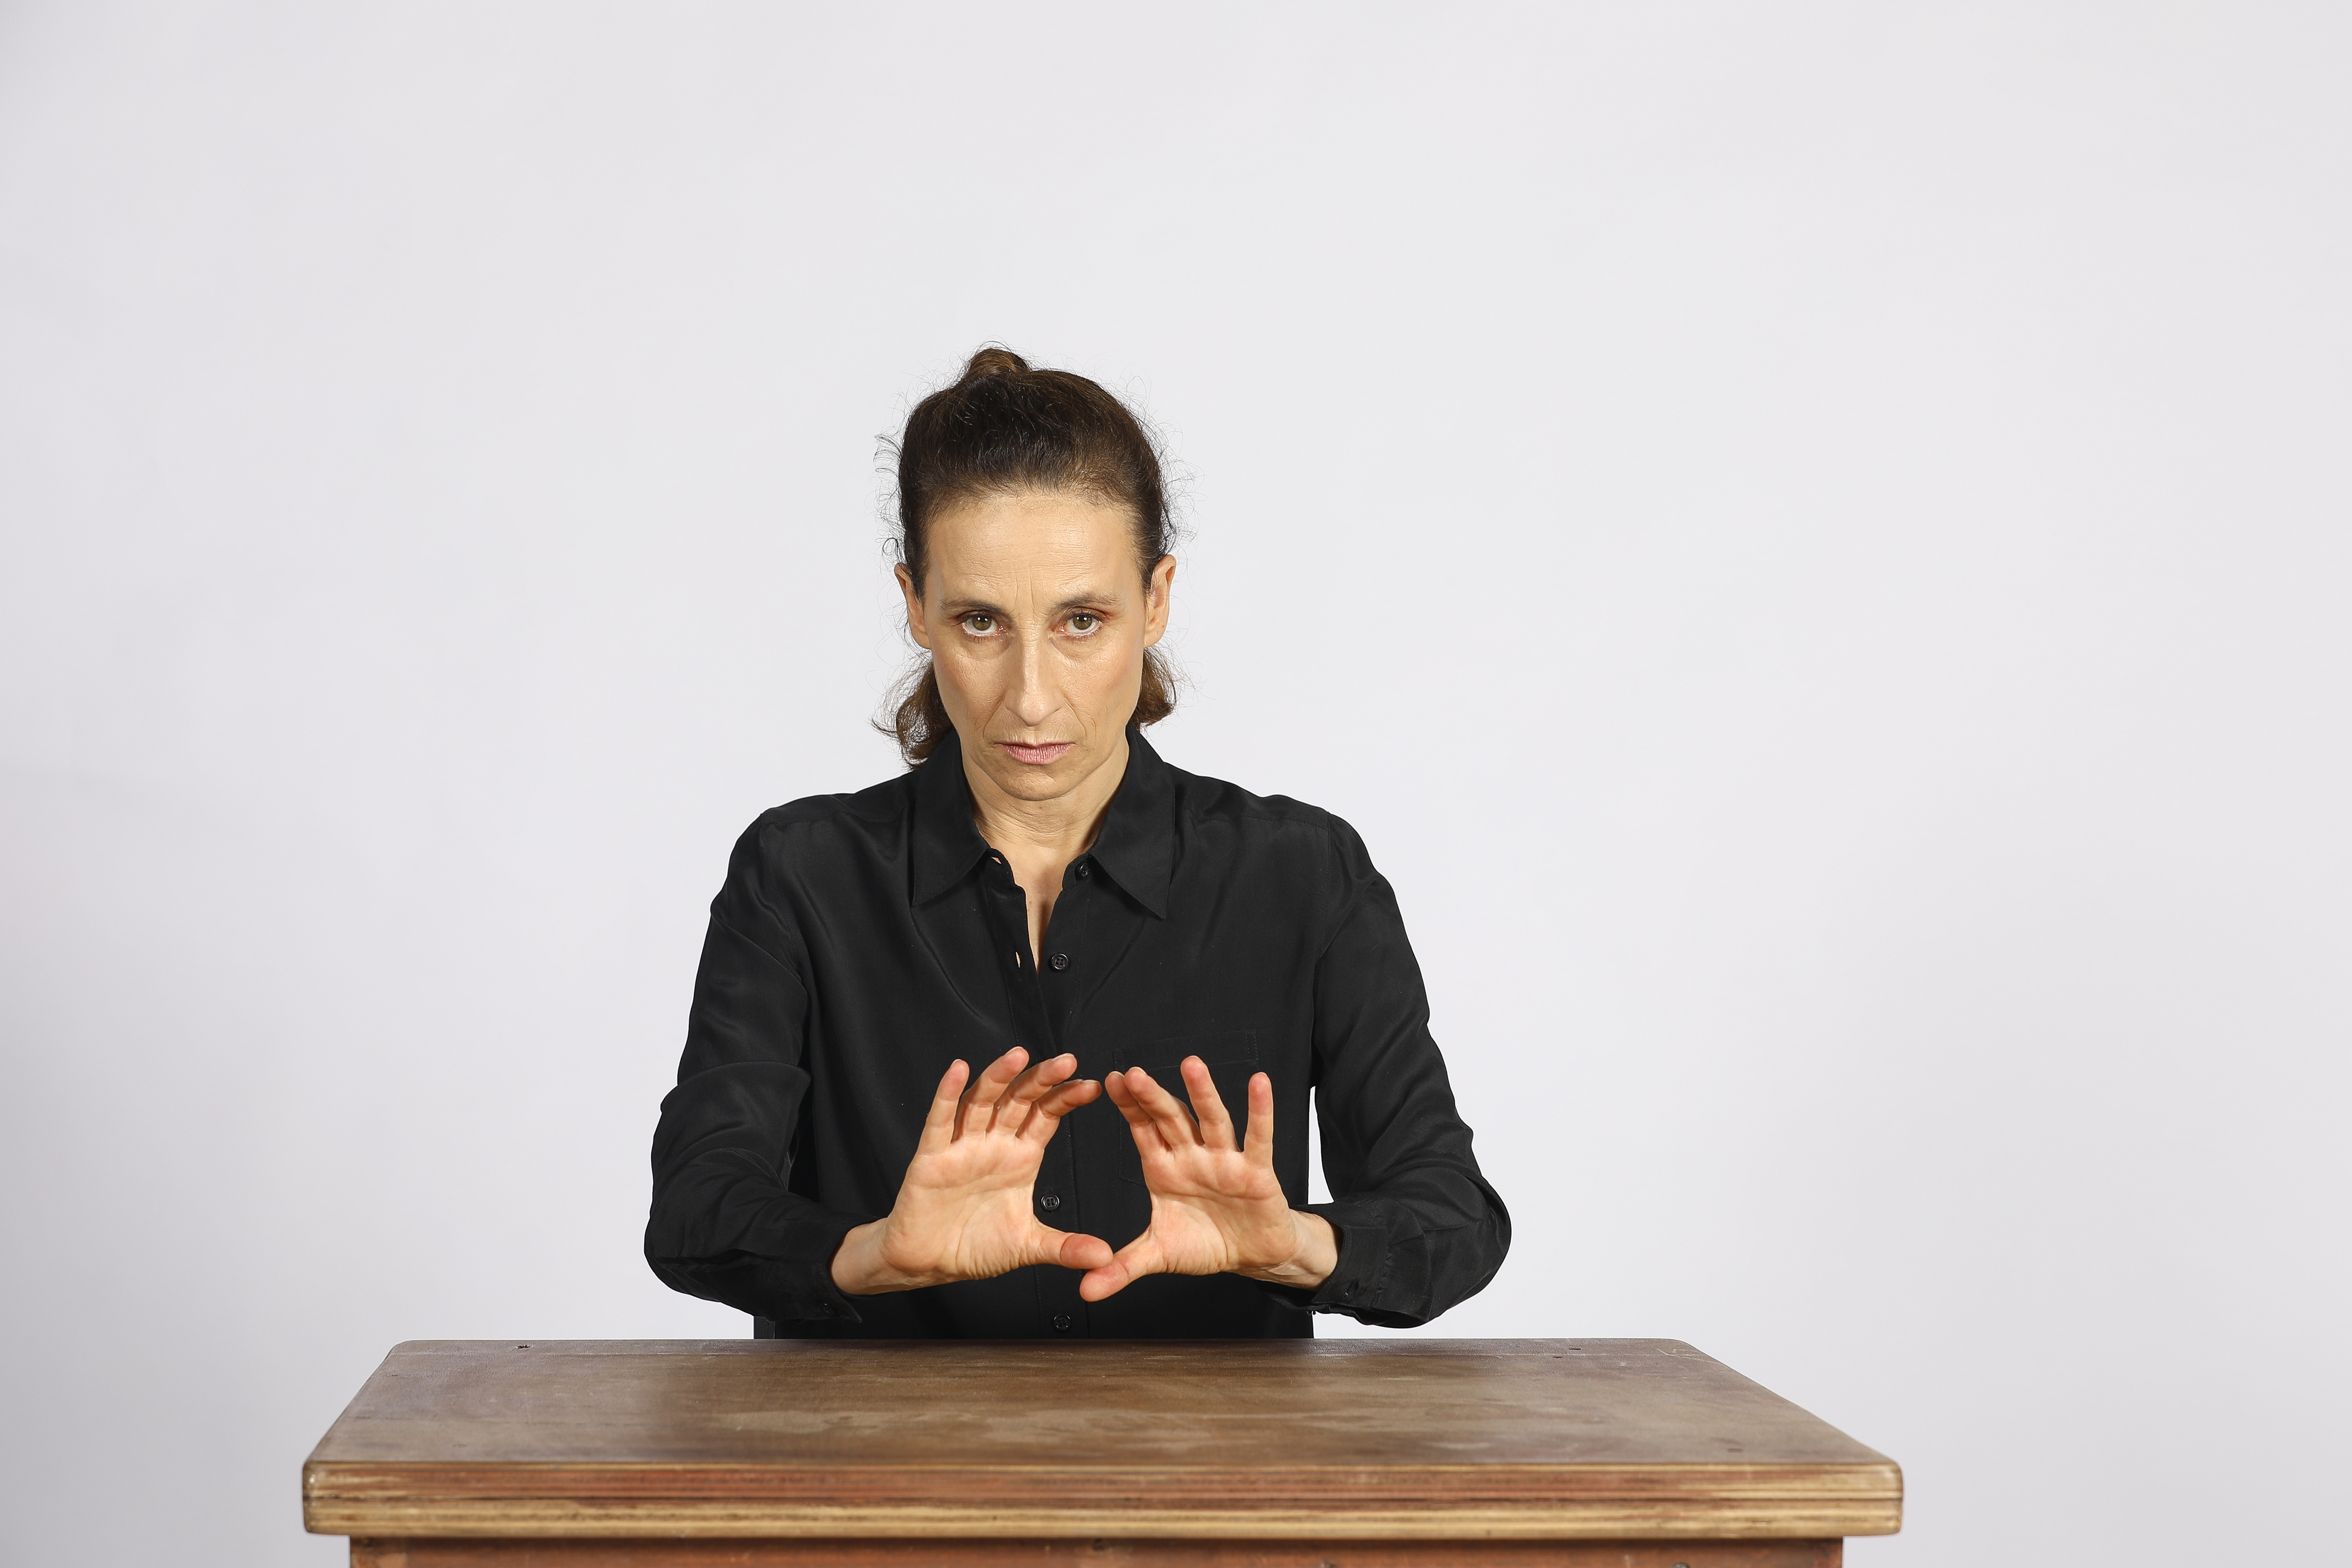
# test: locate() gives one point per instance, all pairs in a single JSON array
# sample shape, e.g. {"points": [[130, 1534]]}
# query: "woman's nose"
{"points": [[1029, 700]]}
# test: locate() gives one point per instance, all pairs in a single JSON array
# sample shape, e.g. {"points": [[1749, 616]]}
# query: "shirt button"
{"points": [[1084, 870], [827, 1309], [1062, 1321], [1049, 1201], [1061, 960]]}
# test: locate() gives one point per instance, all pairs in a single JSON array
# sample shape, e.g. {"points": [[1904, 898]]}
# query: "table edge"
{"points": [[1525, 1501]]}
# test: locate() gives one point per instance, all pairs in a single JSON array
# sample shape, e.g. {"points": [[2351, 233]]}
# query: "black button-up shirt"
{"points": [[863, 942]]}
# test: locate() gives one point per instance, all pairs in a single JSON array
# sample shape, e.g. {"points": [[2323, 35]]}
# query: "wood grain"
{"points": [[1329, 1440], [1100, 1554]]}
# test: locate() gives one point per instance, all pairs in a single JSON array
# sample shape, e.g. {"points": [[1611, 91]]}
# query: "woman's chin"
{"points": [[1059, 768]]}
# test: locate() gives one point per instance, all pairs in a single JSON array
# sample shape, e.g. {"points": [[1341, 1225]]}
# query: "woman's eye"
{"points": [[980, 625], [1082, 625]]}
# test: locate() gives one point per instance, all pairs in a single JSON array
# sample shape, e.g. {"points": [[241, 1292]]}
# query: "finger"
{"points": [[1258, 1144], [1149, 1144], [1216, 1127], [938, 1122], [990, 1086], [1013, 1110], [1131, 1263], [1072, 1249], [1174, 1123], [1122, 1089], [1140, 1122], [1047, 1114]]}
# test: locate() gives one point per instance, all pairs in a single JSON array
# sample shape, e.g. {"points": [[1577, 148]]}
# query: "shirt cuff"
{"points": [[798, 1282], [789, 1280], [1356, 1278]]}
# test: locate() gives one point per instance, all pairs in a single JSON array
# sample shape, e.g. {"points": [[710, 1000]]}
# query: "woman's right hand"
{"points": [[964, 1211]]}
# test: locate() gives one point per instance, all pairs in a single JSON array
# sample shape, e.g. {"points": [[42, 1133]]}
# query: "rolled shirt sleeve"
{"points": [[1420, 1229], [726, 1224]]}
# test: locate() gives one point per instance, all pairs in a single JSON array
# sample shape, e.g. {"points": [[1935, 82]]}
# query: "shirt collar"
{"points": [[1136, 845], [947, 845]]}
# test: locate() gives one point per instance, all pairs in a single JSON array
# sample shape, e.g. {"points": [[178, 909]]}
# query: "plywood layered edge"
{"points": [[1647, 1501]]}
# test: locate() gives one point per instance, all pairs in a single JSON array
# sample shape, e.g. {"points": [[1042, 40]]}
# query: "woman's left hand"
{"points": [[1216, 1207]]}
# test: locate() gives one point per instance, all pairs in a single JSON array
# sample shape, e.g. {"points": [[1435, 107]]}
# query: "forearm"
{"points": [[727, 1233], [793, 1287], [1413, 1247]]}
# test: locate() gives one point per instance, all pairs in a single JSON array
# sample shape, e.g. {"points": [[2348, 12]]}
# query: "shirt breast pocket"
{"points": [[1231, 1057]]}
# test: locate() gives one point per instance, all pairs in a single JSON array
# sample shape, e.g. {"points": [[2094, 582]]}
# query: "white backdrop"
{"points": [[1812, 540]]}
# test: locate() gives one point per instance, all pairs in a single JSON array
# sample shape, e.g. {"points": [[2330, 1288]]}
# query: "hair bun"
{"points": [[994, 361]]}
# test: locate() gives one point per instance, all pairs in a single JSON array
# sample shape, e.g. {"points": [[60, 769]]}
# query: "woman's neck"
{"points": [[1039, 839]]}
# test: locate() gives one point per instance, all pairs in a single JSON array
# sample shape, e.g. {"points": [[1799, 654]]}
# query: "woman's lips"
{"points": [[1047, 751]]}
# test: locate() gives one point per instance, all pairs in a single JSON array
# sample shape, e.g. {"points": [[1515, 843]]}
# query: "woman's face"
{"points": [[1036, 620]]}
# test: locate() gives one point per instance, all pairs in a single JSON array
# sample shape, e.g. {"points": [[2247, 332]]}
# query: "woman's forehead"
{"points": [[1034, 539]]}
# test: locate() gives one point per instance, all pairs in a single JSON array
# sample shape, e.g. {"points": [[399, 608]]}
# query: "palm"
{"points": [[1213, 1209], [963, 1210], [1216, 1205]]}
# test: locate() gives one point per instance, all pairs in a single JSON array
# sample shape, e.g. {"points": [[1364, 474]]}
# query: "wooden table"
{"points": [[1633, 1453]]}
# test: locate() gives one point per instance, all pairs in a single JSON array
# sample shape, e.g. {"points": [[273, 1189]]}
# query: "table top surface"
{"points": [[799, 1436]]}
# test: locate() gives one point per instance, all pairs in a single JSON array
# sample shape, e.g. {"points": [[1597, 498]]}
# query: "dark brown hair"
{"points": [[1004, 428]]}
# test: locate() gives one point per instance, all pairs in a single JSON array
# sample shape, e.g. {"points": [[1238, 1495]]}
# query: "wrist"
{"points": [[1314, 1254], [860, 1267]]}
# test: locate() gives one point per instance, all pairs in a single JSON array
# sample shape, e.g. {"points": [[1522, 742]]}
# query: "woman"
{"points": [[1043, 894]]}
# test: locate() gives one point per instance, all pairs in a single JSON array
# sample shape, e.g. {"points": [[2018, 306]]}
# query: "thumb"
{"points": [[1133, 1262], [1072, 1251]]}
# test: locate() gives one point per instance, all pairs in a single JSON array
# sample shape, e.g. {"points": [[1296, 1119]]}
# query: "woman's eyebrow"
{"points": [[1095, 602], [971, 606]]}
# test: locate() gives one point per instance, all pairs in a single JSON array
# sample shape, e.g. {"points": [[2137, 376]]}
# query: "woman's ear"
{"points": [[1155, 599], [915, 627]]}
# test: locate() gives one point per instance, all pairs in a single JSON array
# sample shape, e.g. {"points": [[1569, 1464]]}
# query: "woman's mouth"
{"points": [[1043, 752]]}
